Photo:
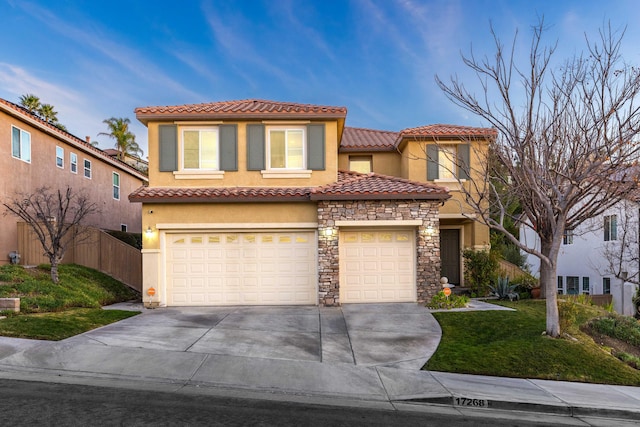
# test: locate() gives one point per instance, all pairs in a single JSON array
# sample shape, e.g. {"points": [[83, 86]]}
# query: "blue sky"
{"points": [[96, 59]]}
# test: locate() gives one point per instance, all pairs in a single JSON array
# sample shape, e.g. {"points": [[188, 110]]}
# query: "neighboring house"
{"points": [[252, 202], [590, 260], [133, 161], [34, 154]]}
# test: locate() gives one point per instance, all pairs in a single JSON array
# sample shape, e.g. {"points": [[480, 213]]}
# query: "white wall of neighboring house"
{"points": [[585, 257]]}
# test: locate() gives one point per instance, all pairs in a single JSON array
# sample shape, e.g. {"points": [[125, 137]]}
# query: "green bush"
{"points": [[568, 311], [503, 290], [440, 300], [131, 239], [624, 328], [480, 270]]}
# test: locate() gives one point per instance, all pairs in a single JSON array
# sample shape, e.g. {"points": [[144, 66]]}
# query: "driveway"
{"points": [[399, 335]]}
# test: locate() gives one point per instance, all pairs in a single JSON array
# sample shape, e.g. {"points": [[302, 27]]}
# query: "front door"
{"points": [[450, 255]]}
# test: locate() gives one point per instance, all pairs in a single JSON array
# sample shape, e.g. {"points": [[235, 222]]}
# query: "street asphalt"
{"points": [[358, 354]]}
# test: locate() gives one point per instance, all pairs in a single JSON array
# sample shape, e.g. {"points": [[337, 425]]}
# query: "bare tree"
{"points": [[565, 137], [621, 256], [56, 218]]}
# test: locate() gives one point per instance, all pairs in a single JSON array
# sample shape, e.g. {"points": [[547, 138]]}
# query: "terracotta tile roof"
{"points": [[247, 108], [448, 130], [350, 186], [218, 194], [358, 139], [358, 186], [27, 116]]}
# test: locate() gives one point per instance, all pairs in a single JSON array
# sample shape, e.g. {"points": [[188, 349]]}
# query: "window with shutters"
{"points": [[286, 148], [448, 162]]}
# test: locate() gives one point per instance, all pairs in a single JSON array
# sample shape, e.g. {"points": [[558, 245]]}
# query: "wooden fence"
{"points": [[99, 251], [511, 270]]}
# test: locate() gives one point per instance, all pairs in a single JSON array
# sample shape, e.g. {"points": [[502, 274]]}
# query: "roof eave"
{"points": [[145, 118], [378, 196]]}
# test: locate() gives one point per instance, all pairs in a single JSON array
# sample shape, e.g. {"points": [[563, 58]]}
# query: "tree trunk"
{"points": [[54, 270], [549, 287]]}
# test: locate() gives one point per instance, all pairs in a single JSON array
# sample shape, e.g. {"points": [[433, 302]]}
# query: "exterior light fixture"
{"points": [[149, 231]]}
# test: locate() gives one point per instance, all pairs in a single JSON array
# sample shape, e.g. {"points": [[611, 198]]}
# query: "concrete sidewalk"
{"points": [[393, 382]]}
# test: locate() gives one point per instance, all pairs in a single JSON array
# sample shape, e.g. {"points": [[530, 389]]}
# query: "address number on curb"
{"points": [[476, 403]]}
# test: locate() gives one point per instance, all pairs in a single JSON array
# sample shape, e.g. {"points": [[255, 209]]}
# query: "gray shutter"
{"points": [[228, 147], [432, 162], [255, 147], [168, 147], [463, 161], [316, 147]]}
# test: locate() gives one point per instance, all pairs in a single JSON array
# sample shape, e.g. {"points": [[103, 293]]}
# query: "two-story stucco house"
{"points": [[35, 154], [261, 202]]}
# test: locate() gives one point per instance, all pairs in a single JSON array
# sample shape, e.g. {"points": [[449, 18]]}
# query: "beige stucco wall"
{"points": [[222, 215], [20, 176], [243, 177]]}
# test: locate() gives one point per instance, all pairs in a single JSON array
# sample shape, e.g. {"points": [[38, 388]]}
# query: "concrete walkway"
{"points": [[365, 355]]}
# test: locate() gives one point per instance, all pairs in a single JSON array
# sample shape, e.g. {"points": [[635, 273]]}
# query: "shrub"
{"points": [[440, 300], [480, 270], [624, 328], [568, 311], [503, 290], [131, 239]]}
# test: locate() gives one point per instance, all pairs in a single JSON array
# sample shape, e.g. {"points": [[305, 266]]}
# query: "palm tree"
{"points": [[48, 114], [125, 140], [31, 103]]}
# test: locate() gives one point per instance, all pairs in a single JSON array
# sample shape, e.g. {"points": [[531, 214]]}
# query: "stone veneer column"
{"points": [[427, 241]]}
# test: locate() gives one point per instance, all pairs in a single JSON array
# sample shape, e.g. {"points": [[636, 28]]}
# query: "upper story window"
{"points": [[116, 186], [20, 144], [73, 162], [610, 228], [200, 149], [447, 161], [362, 164], [567, 237], [286, 148], [87, 168], [60, 157]]}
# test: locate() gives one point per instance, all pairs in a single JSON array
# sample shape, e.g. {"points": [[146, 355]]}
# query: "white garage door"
{"points": [[241, 268], [377, 266]]}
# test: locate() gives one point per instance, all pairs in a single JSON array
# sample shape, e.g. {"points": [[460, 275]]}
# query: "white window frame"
{"points": [[60, 157], [607, 281], [587, 289], [73, 163], [567, 237], [610, 228], [199, 129], [87, 168], [287, 129], [116, 187], [24, 145], [560, 285]]}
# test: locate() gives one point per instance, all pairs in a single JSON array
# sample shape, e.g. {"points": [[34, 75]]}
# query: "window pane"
{"points": [[295, 150], [277, 148], [191, 149], [446, 161], [25, 146], [59, 157], [585, 285], [209, 149], [15, 142], [614, 227]]}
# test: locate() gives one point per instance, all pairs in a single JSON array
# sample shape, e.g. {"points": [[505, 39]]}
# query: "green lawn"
{"points": [[511, 344], [56, 311]]}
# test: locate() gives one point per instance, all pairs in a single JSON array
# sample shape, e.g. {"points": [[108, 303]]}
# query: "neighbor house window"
{"points": [[200, 149], [362, 164], [60, 157], [116, 186], [286, 148], [20, 144], [567, 237], [87, 168], [560, 285], [123, 227], [73, 162], [610, 228], [606, 285], [585, 286], [573, 285]]}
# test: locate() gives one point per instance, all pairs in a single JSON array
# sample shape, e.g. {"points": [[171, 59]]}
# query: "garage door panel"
{"points": [[377, 266], [241, 268]]}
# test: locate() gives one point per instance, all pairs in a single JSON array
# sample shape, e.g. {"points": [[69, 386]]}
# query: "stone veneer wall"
{"points": [[427, 243]]}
